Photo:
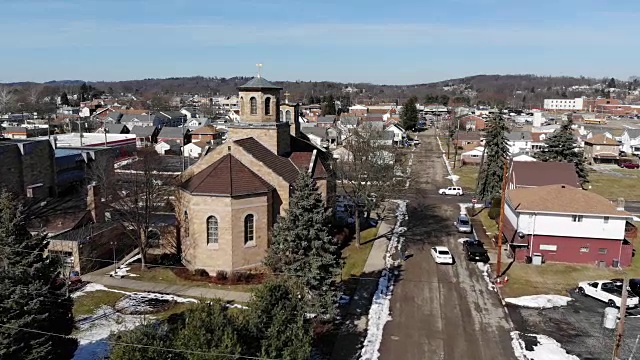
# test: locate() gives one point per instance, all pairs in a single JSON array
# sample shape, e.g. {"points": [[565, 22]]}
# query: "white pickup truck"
{"points": [[606, 291]]}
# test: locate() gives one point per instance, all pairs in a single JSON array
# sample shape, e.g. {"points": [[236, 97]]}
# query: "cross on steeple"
{"points": [[259, 70], [286, 97]]}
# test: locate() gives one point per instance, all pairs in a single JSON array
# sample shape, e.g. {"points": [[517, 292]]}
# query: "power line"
{"points": [[234, 356]]}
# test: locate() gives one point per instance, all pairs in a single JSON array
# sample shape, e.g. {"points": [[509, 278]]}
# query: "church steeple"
{"points": [[259, 100]]}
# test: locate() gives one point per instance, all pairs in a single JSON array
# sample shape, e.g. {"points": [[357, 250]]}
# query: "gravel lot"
{"points": [[578, 327]]}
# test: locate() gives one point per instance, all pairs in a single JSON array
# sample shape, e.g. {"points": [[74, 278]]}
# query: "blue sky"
{"points": [[390, 42]]}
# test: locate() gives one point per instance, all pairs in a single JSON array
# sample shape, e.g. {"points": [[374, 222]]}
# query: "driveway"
{"points": [[441, 311]]}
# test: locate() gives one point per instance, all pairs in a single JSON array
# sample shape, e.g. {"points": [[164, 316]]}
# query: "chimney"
{"points": [[94, 203], [620, 204]]}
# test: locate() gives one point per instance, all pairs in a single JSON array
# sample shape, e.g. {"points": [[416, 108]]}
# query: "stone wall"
{"points": [[261, 98]]}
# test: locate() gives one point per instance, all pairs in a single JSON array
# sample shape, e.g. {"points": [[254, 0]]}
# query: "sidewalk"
{"points": [[183, 290]]}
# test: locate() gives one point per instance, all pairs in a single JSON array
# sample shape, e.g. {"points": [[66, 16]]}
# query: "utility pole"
{"points": [[115, 263], [503, 196], [623, 312], [455, 153]]}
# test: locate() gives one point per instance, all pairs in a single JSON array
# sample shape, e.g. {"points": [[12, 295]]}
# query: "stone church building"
{"points": [[231, 198]]}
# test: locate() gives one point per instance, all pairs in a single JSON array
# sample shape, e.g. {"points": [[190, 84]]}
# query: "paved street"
{"points": [[441, 311]]}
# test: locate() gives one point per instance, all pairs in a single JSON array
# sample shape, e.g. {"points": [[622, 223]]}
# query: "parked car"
{"points": [[451, 190], [629, 165], [463, 224], [441, 255], [476, 253], [606, 291], [471, 242], [634, 285]]}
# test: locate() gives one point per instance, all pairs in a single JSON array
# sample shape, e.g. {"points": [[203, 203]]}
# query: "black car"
{"points": [[476, 253], [472, 242], [634, 285]]}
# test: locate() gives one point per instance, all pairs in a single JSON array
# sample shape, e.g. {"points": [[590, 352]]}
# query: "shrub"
{"points": [[201, 273], [169, 260], [494, 213], [221, 275], [240, 276], [496, 202]]}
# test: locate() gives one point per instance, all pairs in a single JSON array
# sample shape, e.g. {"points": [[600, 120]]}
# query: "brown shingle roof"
{"points": [[206, 129], [280, 165], [562, 199], [227, 176], [535, 136], [302, 160], [539, 173], [468, 135], [600, 139]]}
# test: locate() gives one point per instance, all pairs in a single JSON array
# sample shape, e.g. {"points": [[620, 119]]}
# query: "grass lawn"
{"points": [[356, 257], [166, 276], [88, 303], [468, 175], [613, 187], [490, 226]]}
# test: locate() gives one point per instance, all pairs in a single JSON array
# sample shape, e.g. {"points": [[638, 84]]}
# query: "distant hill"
{"points": [[514, 90]]}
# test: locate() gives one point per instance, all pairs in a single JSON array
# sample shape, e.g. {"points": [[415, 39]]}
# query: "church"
{"points": [[231, 198]]}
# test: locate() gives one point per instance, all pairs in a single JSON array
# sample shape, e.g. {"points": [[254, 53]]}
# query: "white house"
{"points": [[567, 224], [564, 104], [356, 108], [163, 147], [523, 157], [194, 149], [189, 113], [85, 112], [519, 142], [399, 134], [631, 141]]}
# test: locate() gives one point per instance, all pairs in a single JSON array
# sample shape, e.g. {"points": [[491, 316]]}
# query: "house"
{"points": [[22, 132], [132, 120], [326, 121], [197, 122], [112, 117], [145, 135], [631, 141], [537, 141], [472, 123], [567, 224], [358, 110], [463, 138], [179, 134], [232, 196], [114, 129], [519, 141], [170, 119], [472, 157], [194, 149], [600, 149], [399, 134], [522, 157], [526, 174], [317, 135], [342, 154], [207, 134], [385, 138], [168, 147]]}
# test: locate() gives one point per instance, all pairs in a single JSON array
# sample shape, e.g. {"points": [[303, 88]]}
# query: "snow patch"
{"points": [[539, 301], [132, 295], [485, 268], [453, 178], [462, 240], [539, 347], [379, 312], [635, 218]]}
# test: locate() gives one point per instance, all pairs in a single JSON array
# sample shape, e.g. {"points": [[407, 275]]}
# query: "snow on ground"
{"points": [[93, 332], [406, 186], [453, 178], [132, 295], [379, 312], [462, 240], [123, 269], [540, 301], [635, 218], [538, 347], [485, 268]]}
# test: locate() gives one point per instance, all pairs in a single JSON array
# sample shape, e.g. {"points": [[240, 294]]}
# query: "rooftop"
{"points": [[540, 173], [562, 199], [600, 139], [259, 82]]}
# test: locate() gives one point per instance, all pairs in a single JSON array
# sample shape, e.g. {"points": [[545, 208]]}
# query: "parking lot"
{"points": [[578, 327]]}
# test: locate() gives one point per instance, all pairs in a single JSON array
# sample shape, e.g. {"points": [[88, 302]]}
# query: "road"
{"points": [[439, 311]]}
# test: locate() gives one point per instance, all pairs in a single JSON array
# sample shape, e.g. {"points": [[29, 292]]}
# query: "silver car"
{"points": [[464, 224]]}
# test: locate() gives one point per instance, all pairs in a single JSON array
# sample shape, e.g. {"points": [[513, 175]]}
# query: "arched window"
{"points": [[186, 223], [288, 116], [254, 105], [241, 103], [249, 229], [212, 230], [281, 115], [267, 106]]}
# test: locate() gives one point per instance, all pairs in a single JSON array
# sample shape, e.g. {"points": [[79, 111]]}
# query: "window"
{"points": [[288, 116], [548, 247], [212, 230], [606, 219], [281, 115], [576, 218], [186, 223], [254, 105], [241, 102], [249, 229], [584, 249], [267, 106], [602, 251]]}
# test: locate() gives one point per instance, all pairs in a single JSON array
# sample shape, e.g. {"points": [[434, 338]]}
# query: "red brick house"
{"points": [[567, 224], [472, 123]]}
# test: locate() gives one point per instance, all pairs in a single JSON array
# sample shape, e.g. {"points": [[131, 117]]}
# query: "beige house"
{"points": [[600, 149], [231, 198]]}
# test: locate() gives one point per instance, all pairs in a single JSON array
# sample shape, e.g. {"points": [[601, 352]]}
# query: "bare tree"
{"points": [[143, 192], [6, 99], [368, 173]]}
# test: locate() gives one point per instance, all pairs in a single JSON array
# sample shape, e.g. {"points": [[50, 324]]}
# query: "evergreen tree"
{"points": [[329, 105], [409, 113], [84, 92], [301, 245], [31, 293], [64, 99], [496, 152], [611, 84], [561, 146], [155, 335], [277, 318]]}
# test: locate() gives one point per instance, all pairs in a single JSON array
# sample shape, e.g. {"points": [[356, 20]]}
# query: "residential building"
{"points": [[169, 119], [519, 142], [526, 174], [326, 121], [463, 138], [472, 157], [207, 134], [232, 196], [195, 149], [349, 122], [567, 224], [168, 147], [140, 120], [522, 157], [472, 123], [564, 104], [600, 149], [28, 167], [399, 134], [22, 132], [317, 135], [358, 110], [145, 135], [631, 141], [181, 135]]}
